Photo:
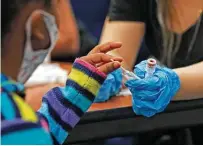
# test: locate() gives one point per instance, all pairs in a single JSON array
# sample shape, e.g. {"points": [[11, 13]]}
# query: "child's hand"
{"points": [[98, 57]]}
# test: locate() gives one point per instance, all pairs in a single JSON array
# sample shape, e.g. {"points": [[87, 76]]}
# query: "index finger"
{"points": [[104, 48]]}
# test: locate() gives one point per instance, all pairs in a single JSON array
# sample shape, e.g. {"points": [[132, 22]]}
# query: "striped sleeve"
{"points": [[19, 123], [63, 107]]}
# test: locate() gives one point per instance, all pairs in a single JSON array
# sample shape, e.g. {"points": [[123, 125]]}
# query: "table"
{"points": [[116, 118], [40, 90]]}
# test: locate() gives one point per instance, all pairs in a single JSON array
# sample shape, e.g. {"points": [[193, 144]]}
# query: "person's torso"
{"points": [[190, 39], [19, 123]]}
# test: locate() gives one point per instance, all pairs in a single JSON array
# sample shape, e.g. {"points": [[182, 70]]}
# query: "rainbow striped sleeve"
{"points": [[63, 107]]}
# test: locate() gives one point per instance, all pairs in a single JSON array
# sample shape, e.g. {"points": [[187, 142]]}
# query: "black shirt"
{"points": [[145, 11]]}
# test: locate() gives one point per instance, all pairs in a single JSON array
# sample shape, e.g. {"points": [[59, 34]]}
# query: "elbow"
{"points": [[67, 44]]}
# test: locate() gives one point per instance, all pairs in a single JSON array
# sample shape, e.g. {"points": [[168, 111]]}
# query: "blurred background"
{"points": [[82, 26]]}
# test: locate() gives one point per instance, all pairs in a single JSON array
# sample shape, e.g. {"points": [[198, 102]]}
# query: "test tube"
{"points": [[128, 74], [150, 67]]}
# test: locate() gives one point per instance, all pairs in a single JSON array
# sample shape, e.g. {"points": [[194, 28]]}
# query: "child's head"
{"points": [[23, 49]]}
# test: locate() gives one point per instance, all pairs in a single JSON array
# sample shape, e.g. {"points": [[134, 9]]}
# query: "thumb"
{"points": [[109, 67]]}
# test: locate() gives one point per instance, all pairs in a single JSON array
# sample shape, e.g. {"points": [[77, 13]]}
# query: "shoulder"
{"points": [[13, 106], [19, 123], [129, 10]]}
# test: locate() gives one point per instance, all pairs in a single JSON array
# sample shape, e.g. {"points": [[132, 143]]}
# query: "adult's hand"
{"points": [[152, 95]]}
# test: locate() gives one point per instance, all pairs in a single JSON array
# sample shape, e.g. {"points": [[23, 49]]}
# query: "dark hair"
{"points": [[9, 10]]}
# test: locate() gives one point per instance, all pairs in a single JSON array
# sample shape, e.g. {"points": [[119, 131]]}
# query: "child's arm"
{"points": [[63, 107]]}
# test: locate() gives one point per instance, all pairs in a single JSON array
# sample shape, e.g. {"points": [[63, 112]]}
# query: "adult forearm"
{"points": [[191, 78], [68, 41], [130, 34]]}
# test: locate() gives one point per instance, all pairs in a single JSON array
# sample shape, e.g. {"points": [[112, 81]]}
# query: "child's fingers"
{"points": [[99, 58], [120, 59], [109, 67], [115, 59], [104, 48], [100, 64]]}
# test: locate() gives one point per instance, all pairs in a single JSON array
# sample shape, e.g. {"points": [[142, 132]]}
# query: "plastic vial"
{"points": [[150, 67]]}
